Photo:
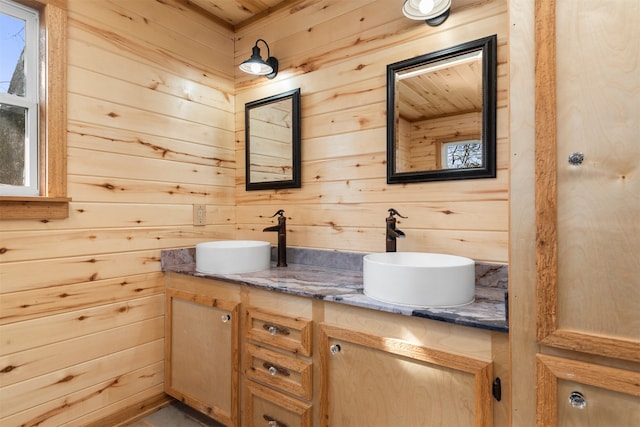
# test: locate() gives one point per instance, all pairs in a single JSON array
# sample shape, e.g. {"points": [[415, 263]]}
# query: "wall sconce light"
{"points": [[255, 64], [433, 12]]}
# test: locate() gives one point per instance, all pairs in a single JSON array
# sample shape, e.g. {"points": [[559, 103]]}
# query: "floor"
{"points": [[175, 415]]}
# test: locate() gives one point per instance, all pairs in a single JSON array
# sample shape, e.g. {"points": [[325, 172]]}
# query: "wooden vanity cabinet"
{"points": [[201, 346], [310, 363]]}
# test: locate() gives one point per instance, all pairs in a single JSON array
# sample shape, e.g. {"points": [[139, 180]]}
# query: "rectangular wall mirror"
{"points": [[441, 114], [272, 137]]}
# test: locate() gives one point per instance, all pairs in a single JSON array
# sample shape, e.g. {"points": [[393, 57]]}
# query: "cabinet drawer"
{"points": [[269, 408], [288, 333], [279, 370]]}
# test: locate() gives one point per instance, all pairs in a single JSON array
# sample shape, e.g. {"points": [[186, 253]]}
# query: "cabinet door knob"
{"points": [[576, 158], [225, 318], [335, 349], [577, 400]]}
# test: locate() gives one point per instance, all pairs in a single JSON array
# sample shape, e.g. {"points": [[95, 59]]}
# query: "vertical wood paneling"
{"points": [[150, 132], [338, 58]]}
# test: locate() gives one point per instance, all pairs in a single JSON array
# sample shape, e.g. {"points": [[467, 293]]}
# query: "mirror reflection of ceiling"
{"points": [[447, 87]]}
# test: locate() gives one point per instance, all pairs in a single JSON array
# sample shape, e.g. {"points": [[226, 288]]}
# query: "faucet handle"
{"points": [[393, 212], [280, 212]]}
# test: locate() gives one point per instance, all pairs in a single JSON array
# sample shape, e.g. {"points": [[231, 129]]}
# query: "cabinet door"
{"points": [[587, 186], [202, 357], [373, 381], [573, 393]]}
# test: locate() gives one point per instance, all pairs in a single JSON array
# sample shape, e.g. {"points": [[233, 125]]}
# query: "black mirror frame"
{"points": [[295, 182], [488, 45]]}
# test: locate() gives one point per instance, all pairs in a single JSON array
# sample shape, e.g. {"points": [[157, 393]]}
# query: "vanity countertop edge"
{"points": [[343, 284]]}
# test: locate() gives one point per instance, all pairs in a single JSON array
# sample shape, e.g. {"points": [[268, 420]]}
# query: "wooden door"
{"points": [[587, 176], [374, 381], [202, 358]]}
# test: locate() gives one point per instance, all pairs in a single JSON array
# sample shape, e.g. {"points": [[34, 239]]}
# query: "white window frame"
{"points": [[30, 100]]}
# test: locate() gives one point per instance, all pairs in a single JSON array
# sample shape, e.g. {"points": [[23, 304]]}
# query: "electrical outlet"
{"points": [[199, 214]]}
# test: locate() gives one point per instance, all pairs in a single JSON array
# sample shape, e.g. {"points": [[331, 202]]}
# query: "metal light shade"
{"points": [[433, 12], [255, 64]]}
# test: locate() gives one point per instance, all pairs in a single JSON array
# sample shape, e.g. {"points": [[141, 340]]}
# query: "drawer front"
{"points": [[269, 408], [287, 373], [288, 333]]}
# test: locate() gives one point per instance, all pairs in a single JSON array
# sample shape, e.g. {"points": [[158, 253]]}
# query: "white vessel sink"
{"points": [[233, 256], [419, 279]]}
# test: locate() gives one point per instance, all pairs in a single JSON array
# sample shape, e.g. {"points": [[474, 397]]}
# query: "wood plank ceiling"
{"points": [[237, 13]]}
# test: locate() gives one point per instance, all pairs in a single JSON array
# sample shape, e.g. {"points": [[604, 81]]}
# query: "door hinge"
{"points": [[496, 389]]}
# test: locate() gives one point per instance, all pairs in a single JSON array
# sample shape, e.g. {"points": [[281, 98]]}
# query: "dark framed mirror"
{"points": [[272, 138], [441, 114]]}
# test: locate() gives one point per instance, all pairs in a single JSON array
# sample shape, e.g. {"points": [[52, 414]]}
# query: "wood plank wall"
{"points": [[337, 53], [154, 128], [150, 133]]}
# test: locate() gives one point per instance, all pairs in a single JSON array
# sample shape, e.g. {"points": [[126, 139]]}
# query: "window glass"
{"points": [[12, 44], [19, 52], [12, 123]]}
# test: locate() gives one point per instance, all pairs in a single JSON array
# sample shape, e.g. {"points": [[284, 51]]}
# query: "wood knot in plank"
{"points": [[66, 379], [8, 369]]}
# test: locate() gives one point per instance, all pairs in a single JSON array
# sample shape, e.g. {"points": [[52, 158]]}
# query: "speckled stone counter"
{"points": [[337, 276]]}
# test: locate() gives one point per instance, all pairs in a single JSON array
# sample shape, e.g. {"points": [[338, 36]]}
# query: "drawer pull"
{"points": [[275, 329], [272, 422], [274, 369]]}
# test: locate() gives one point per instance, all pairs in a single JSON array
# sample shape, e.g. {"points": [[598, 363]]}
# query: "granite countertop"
{"points": [[307, 276]]}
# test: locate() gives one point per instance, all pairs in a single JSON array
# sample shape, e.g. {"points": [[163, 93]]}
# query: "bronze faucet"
{"points": [[281, 228], [392, 232]]}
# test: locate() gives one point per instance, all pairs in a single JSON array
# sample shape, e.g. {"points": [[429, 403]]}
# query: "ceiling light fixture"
{"points": [[255, 64], [433, 12]]}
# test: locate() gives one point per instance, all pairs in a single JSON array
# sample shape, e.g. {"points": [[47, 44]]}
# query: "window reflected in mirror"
{"points": [[460, 154]]}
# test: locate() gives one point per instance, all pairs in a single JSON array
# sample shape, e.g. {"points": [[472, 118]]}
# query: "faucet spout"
{"points": [[281, 229], [398, 234], [392, 232]]}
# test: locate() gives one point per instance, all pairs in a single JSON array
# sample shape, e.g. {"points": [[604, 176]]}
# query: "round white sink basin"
{"points": [[233, 256], [419, 279]]}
